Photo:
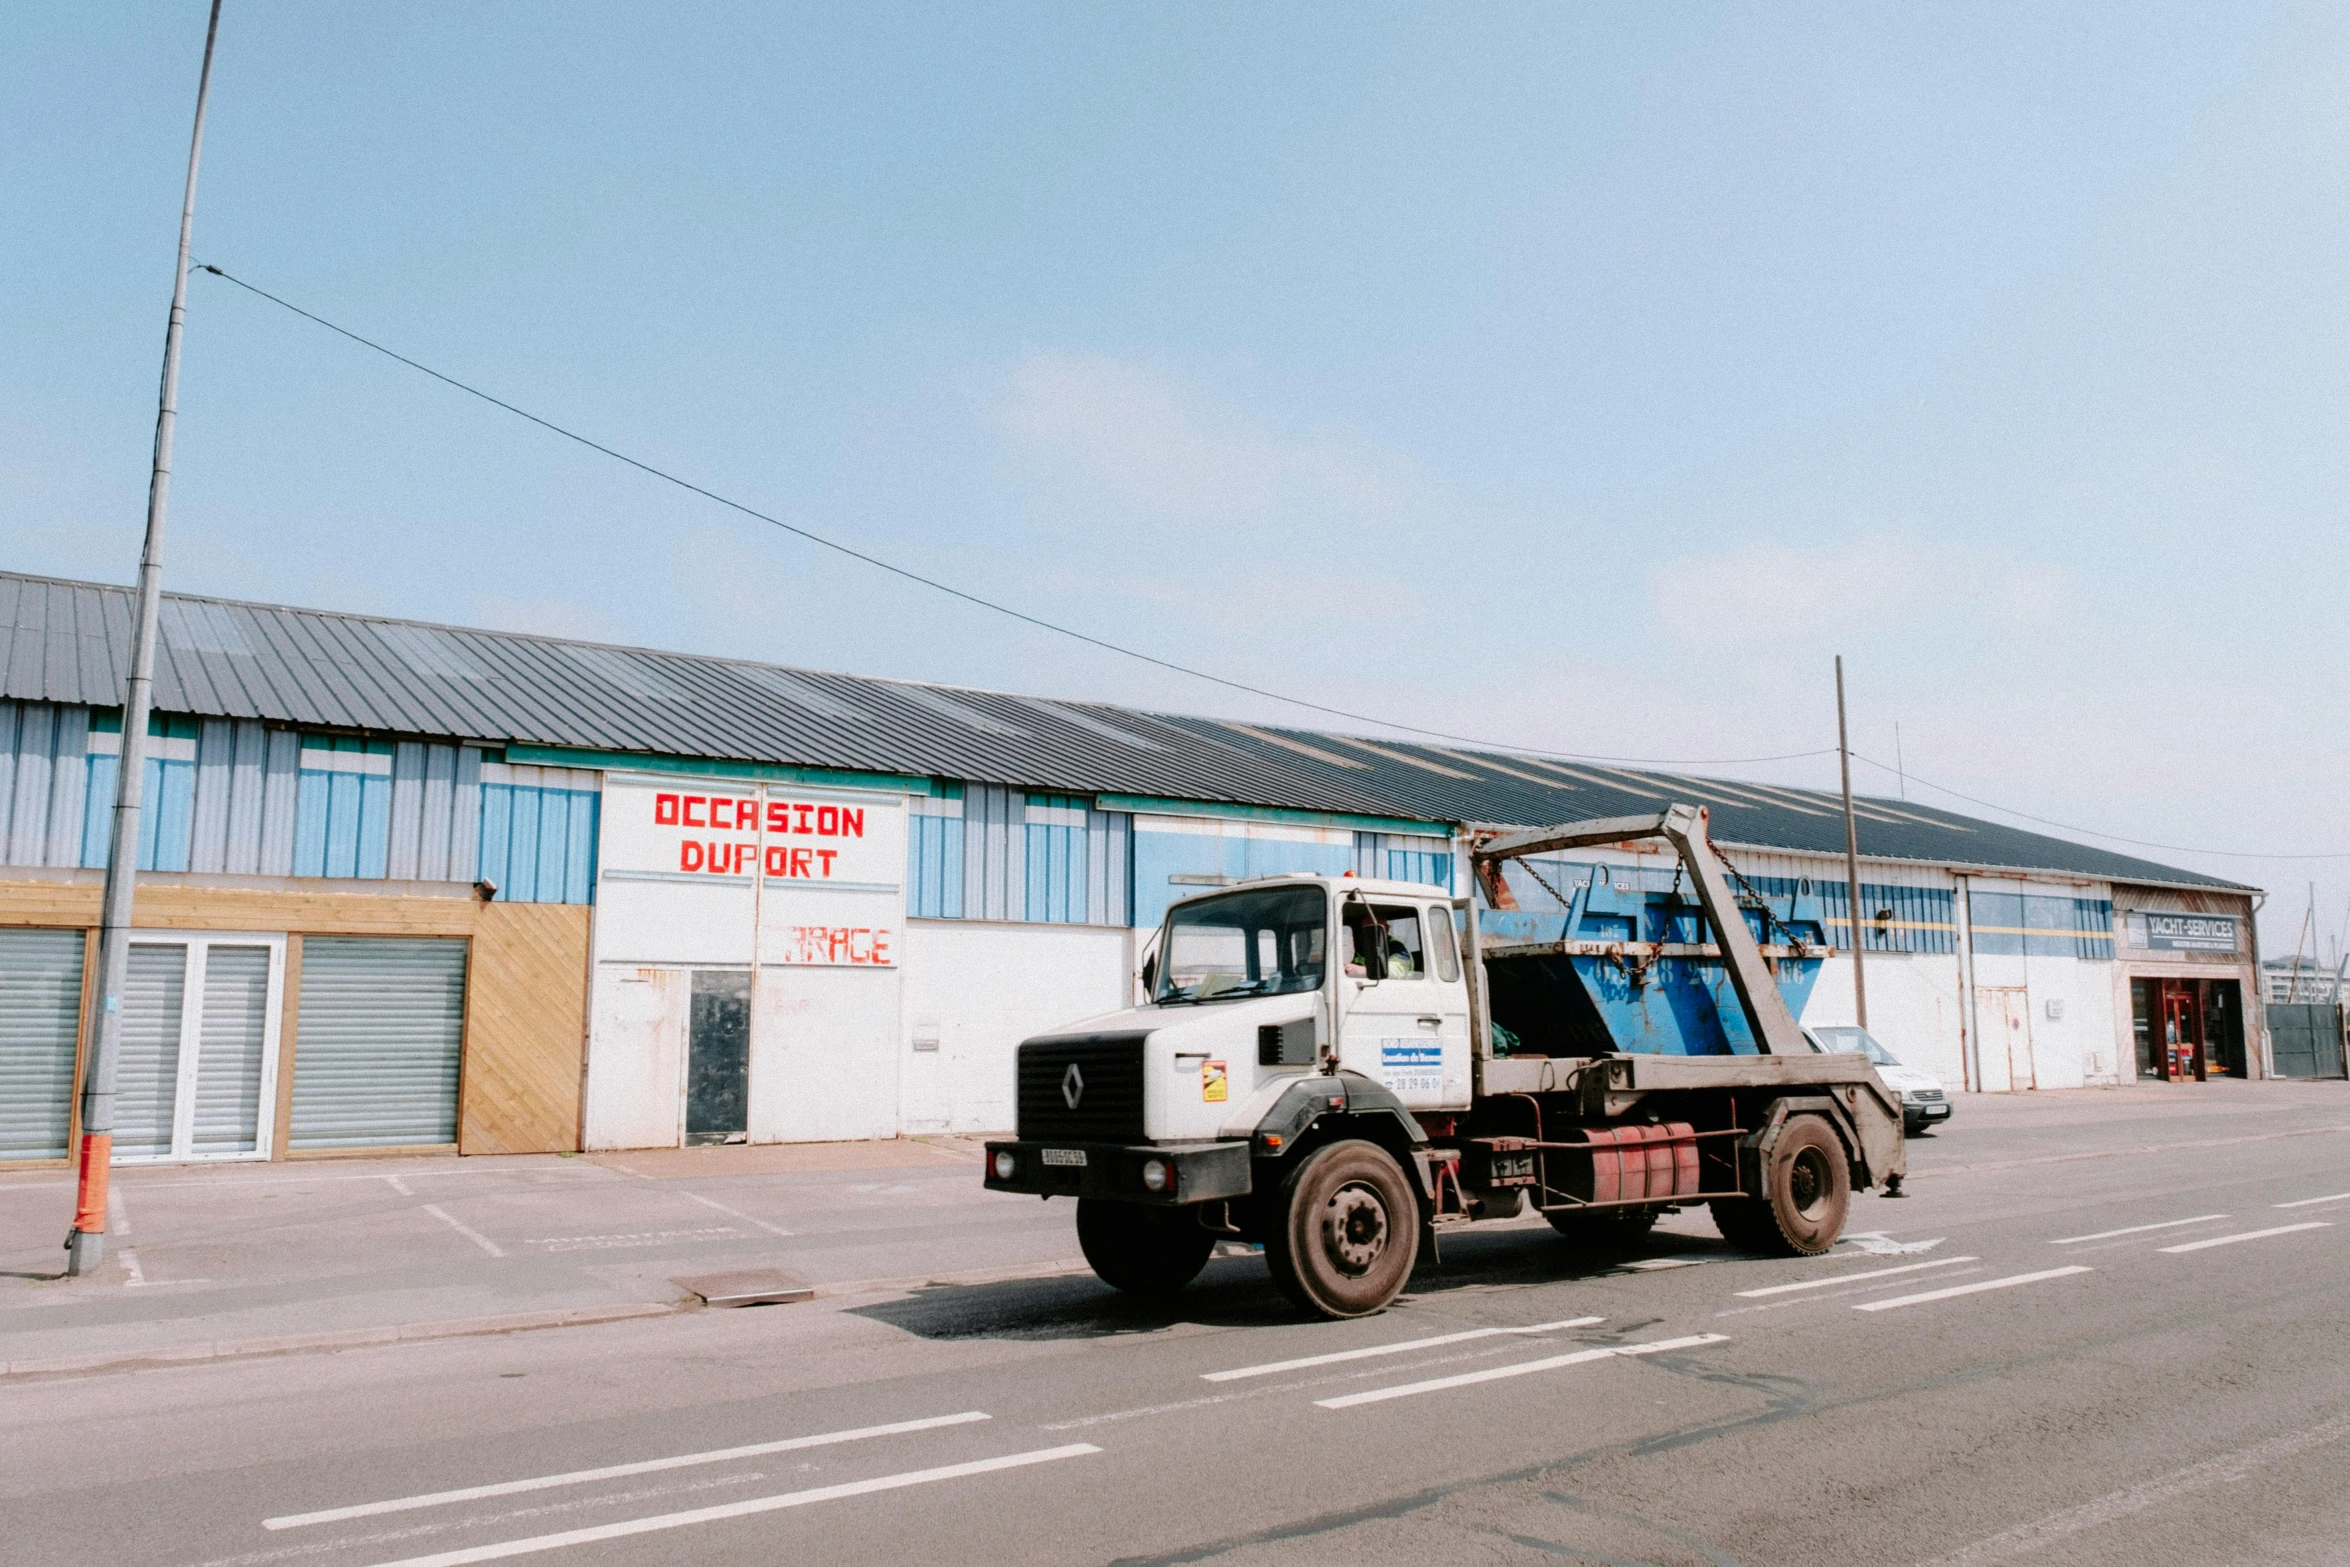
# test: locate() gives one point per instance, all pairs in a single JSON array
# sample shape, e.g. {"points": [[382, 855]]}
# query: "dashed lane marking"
{"points": [[742, 1509], [722, 1455], [2010, 1282], [1520, 1369], [1272, 1367], [2311, 1202], [1853, 1278], [2140, 1229], [2251, 1235]]}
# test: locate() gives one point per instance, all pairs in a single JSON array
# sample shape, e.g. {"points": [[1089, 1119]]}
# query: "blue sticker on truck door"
{"points": [[1412, 1066]]}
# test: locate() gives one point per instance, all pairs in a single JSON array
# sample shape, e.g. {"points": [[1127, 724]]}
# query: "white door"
{"points": [[196, 1070], [1403, 1023], [2004, 1014]]}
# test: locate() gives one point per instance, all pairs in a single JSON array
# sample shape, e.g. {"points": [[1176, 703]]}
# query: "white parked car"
{"points": [[1923, 1099]]}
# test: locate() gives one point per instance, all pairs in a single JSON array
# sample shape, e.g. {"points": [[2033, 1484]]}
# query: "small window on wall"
{"points": [[1386, 941]]}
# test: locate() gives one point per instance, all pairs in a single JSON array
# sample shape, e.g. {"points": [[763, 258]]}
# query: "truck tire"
{"points": [[1807, 1190], [1348, 1231], [1150, 1253], [1607, 1231]]}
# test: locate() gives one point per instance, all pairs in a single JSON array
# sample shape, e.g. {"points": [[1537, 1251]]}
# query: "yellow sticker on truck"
{"points": [[1214, 1086]]}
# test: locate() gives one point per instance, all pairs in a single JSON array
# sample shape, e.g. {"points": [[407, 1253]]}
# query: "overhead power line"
{"points": [[2091, 832], [974, 599]]}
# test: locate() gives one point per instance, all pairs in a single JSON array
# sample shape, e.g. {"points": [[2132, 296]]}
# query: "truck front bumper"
{"points": [[1185, 1172]]}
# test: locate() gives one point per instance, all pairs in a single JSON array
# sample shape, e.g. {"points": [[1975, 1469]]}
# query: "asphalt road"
{"points": [[2052, 1379]]}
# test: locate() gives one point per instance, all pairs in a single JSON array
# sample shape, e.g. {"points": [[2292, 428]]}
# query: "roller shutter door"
{"points": [[229, 1065], [40, 1003], [381, 1026], [147, 1051]]}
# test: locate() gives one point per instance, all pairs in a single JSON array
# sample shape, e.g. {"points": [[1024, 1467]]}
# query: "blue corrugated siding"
{"points": [[2016, 924], [1158, 856], [1056, 859], [539, 845], [166, 813], [983, 851], [1396, 857], [342, 815], [44, 766], [934, 855]]}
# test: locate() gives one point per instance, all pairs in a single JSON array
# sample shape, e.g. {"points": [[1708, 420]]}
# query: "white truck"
{"points": [[1317, 1069]]}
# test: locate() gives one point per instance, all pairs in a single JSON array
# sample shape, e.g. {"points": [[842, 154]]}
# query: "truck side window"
{"points": [[1448, 956], [1392, 952]]}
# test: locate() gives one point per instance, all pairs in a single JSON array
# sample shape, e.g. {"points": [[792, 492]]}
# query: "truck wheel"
{"points": [[1608, 1230], [1349, 1231], [1147, 1252], [1807, 1189]]}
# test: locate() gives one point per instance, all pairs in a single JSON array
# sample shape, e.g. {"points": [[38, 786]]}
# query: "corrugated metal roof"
{"points": [[70, 642]]}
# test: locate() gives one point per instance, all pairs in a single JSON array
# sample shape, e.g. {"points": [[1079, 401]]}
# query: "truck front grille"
{"points": [[1107, 1085]]}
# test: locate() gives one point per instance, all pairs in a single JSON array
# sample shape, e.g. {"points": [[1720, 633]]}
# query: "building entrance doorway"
{"points": [[2182, 1032], [2189, 1030], [718, 1058]]}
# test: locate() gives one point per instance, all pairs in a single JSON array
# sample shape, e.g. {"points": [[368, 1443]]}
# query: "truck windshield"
{"points": [[1268, 941]]}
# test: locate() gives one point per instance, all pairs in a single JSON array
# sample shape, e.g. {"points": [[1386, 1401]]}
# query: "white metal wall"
{"points": [[974, 991]]}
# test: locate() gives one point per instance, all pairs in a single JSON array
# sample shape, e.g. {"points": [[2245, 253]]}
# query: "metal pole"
{"points": [[1860, 988], [86, 1245]]}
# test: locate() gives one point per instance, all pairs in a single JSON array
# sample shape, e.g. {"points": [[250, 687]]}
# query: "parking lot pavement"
{"points": [[227, 1259]]}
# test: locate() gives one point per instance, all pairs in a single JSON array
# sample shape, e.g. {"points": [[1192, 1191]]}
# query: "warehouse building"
{"points": [[414, 886]]}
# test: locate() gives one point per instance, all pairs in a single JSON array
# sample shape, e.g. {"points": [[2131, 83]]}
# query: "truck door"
{"points": [[1405, 1020]]}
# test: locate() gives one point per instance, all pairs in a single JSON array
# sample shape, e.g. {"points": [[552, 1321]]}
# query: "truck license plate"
{"points": [[1074, 1156]]}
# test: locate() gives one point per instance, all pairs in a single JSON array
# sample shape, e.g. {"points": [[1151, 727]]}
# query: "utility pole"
{"points": [[85, 1247], [1860, 987]]}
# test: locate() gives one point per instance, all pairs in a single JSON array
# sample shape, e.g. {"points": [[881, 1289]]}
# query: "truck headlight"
{"points": [[1155, 1175], [1005, 1165]]}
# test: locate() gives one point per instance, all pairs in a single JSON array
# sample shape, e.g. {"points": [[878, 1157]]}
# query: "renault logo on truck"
{"points": [[1072, 1086]]}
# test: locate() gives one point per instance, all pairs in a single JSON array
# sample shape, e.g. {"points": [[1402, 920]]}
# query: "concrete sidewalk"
{"points": [[223, 1260]]}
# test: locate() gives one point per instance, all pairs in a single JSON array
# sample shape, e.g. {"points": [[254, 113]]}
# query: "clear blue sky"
{"points": [[1578, 377]]}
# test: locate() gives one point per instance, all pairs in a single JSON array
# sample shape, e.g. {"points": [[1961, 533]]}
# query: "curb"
{"points": [[349, 1338]]}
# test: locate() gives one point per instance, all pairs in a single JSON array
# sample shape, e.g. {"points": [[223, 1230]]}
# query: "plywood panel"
{"points": [[245, 908], [525, 1029]]}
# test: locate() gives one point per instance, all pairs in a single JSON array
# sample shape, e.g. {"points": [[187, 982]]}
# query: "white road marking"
{"points": [[1877, 1243], [350, 1542], [555, 1243], [121, 1215], [471, 1234], [722, 1455], [742, 1509], [130, 1265], [2137, 1498], [2311, 1202], [2139, 1229], [399, 1186], [1521, 1369], [1850, 1278], [1659, 1264], [772, 1229], [2251, 1235], [2009, 1282], [1272, 1367]]}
